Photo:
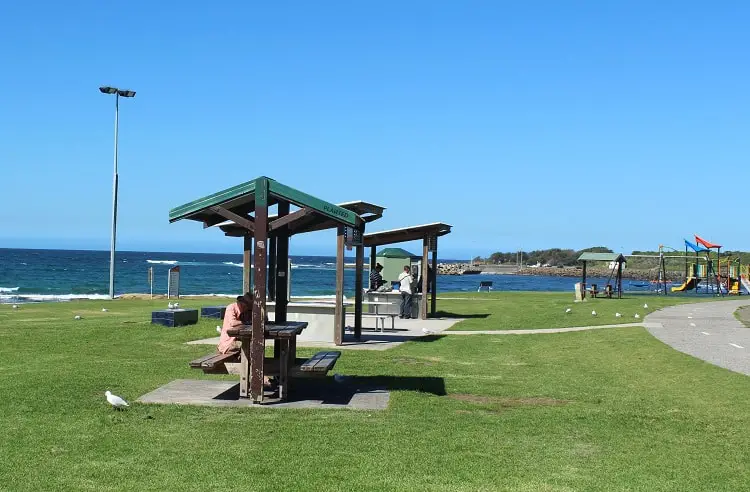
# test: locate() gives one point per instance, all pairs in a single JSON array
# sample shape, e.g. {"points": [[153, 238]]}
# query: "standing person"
{"points": [[376, 278], [235, 316], [405, 288]]}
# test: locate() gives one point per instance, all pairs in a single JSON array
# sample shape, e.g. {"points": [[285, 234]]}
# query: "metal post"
{"points": [[114, 207]]}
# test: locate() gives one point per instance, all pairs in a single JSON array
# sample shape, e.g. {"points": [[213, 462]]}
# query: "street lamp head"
{"points": [[107, 90], [126, 93]]}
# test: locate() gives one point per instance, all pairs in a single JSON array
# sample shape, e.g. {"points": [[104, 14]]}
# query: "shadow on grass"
{"points": [[375, 338], [447, 314], [329, 391]]}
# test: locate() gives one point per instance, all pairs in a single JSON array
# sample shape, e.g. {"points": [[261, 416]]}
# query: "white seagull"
{"points": [[176, 305], [617, 315], [77, 316], [115, 400], [218, 329], [645, 306], [104, 310], [15, 306], [637, 316], [170, 306], [593, 313], [568, 310]]}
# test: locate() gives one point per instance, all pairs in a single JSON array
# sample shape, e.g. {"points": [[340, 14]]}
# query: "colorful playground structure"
{"points": [[706, 271], [703, 274]]}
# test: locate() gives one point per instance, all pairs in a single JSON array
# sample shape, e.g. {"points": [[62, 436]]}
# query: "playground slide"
{"points": [[688, 285], [746, 284]]}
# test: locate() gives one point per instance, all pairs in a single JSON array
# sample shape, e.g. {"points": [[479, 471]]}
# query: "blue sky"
{"points": [[523, 124]]}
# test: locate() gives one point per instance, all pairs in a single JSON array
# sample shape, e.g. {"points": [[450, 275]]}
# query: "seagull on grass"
{"points": [[637, 316], [15, 306], [645, 306], [115, 400], [104, 310], [593, 313], [618, 315], [170, 306], [568, 311], [77, 316]]}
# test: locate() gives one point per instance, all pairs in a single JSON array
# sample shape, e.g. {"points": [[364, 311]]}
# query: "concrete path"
{"points": [[541, 330], [708, 331], [406, 329]]}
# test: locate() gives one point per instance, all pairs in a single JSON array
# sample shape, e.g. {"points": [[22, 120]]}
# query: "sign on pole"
{"points": [[352, 237], [173, 283], [151, 280]]}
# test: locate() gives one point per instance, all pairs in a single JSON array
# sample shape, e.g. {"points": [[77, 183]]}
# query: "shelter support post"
{"points": [[272, 263], [372, 265], [423, 273], [619, 280], [359, 266], [338, 324], [583, 280], [258, 343], [281, 268], [433, 293], [247, 263]]}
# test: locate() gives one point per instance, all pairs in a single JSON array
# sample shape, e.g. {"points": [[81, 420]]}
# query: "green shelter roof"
{"points": [[394, 253], [239, 202], [602, 257]]}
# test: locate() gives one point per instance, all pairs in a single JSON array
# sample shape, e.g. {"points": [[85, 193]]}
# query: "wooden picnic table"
{"points": [[284, 336]]}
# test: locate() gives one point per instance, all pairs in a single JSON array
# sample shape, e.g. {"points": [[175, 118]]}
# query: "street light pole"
{"points": [[114, 206], [115, 179]]}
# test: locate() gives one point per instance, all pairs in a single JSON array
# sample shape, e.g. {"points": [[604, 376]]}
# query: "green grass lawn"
{"points": [[522, 310], [598, 410]]}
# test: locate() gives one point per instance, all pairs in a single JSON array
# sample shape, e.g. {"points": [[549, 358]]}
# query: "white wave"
{"points": [[162, 262], [233, 264], [52, 297], [6, 290]]}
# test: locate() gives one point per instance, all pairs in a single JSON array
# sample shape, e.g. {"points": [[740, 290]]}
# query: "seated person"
{"points": [[376, 278], [237, 314]]}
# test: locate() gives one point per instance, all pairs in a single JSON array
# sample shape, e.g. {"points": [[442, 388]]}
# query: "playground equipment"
{"points": [[703, 273]]}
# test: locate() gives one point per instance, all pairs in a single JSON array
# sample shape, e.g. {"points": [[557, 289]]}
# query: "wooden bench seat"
{"points": [[320, 363], [215, 362], [381, 317]]}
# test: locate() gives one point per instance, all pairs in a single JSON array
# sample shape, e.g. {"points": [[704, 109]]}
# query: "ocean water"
{"points": [[39, 275]]}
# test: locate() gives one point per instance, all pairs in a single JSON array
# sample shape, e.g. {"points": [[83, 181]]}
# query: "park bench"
{"points": [[380, 317], [317, 365], [485, 284], [213, 363], [320, 363], [593, 290]]}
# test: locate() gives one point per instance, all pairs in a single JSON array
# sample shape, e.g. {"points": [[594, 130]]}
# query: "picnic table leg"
{"points": [[283, 368], [245, 369]]}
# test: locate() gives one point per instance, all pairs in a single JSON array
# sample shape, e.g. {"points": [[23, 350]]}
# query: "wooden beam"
{"points": [[433, 294], [289, 219], [245, 222], [423, 302], [246, 263], [359, 266], [338, 324], [258, 343]]}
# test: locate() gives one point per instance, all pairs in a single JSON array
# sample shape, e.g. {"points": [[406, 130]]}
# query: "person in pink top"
{"points": [[237, 314]]}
